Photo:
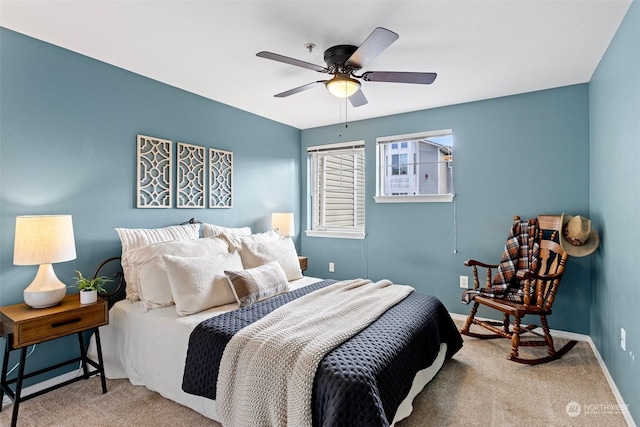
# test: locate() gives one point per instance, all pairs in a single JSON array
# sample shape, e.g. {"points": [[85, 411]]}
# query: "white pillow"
{"points": [[154, 290], [210, 230], [283, 251], [199, 283], [255, 284], [236, 241], [132, 238], [153, 285]]}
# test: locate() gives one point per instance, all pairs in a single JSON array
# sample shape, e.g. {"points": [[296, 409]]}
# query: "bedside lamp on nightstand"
{"points": [[283, 221], [43, 240]]}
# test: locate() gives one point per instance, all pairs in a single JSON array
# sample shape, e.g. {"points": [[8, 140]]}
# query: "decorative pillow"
{"points": [[133, 238], [154, 290], [256, 284], [153, 283], [283, 251], [199, 283], [210, 230], [236, 241]]}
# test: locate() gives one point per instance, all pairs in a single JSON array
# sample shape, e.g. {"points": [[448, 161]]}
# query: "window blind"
{"points": [[338, 186]]}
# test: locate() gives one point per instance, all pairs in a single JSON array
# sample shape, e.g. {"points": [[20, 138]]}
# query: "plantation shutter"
{"points": [[338, 186]]}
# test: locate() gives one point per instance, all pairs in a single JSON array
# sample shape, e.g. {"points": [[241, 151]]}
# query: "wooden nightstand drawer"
{"points": [[59, 325], [32, 326]]}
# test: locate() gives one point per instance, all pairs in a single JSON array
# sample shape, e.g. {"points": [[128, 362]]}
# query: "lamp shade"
{"points": [[43, 239], [283, 221], [342, 86]]}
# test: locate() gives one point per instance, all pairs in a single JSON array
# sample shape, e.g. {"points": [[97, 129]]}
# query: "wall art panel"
{"points": [[220, 178], [155, 165], [191, 176]]}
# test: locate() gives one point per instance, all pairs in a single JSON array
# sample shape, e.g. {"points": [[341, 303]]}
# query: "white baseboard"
{"points": [[586, 338], [46, 384], [623, 406]]}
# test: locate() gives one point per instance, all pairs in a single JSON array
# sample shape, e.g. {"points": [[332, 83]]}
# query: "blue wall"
{"points": [[68, 145], [519, 155], [614, 94]]}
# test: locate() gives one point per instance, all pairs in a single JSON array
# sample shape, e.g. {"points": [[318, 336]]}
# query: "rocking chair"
{"points": [[538, 292]]}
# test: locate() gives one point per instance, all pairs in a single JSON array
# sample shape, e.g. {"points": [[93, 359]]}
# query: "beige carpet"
{"points": [[478, 387]]}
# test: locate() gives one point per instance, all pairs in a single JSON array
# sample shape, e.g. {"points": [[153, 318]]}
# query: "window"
{"points": [[337, 190], [398, 164], [415, 168]]}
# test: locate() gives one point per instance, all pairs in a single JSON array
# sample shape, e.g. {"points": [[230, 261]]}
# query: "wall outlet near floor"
{"points": [[331, 267], [464, 282], [623, 339]]}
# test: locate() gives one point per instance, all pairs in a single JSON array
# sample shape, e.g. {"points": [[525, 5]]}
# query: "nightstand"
{"points": [[303, 262], [23, 326]]}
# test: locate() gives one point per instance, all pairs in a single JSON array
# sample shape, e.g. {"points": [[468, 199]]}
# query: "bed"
{"points": [[154, 345]]}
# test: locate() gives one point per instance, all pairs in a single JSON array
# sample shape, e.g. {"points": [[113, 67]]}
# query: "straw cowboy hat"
{"points": [[577, 237]]}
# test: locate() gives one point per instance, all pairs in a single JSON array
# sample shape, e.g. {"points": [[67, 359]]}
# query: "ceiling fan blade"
{"points": [[358, 99], [378, 40], [291, 61], [399, 77], [300, 89]]}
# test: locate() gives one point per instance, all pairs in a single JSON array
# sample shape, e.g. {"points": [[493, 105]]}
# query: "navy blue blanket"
{"points": [[361, 382]]}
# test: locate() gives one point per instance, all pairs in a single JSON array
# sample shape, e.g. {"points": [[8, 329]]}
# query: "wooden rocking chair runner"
{"points": [[540, 288]]}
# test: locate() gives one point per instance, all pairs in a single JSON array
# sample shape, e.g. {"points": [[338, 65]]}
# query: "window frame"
{"points": [[406, 198], [357, 232]]}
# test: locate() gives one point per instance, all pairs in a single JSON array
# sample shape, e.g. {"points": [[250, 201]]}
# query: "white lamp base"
{"points": [[46, 290], [44, 299]]}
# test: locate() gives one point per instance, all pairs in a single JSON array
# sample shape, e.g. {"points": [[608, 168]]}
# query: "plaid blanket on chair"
{"points": [[521, 252]]}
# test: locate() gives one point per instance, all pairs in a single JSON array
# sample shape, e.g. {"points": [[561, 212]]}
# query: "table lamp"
{"points": [[283, 221], [43, 240]]}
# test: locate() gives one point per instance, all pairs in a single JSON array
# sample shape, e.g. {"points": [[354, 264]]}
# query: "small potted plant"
{"points": [[89, 288]]}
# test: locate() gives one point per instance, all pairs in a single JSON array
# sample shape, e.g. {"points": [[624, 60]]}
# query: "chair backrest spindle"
{"points": [[552, 259]]}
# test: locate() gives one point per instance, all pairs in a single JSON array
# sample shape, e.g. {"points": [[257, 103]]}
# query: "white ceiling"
{"points": [[480, 49]]}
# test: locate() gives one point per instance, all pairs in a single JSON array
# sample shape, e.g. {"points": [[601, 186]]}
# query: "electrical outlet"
{"points": [[331, 267], [464, 282], [623, 339]]}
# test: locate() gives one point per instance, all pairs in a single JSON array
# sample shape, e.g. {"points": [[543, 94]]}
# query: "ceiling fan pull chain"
{"points": [[346, 120], [346, 114]]}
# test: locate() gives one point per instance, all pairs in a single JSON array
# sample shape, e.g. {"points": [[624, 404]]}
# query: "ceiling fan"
{"points": [[344, 60]]}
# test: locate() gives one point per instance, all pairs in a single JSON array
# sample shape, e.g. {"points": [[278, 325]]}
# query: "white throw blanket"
{"points": [[267, 369]]}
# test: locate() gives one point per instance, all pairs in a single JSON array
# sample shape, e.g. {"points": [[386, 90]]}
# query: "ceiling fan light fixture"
{"points": [[342, 86]]}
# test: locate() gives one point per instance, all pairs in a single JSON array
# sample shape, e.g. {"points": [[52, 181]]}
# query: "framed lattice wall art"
{"points": [[190, 184], [220, 178], [154, 170]]}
